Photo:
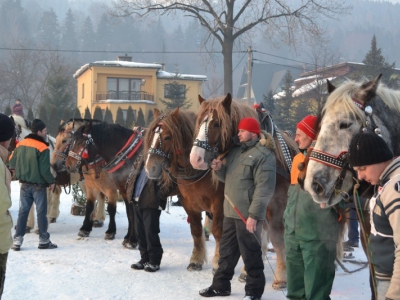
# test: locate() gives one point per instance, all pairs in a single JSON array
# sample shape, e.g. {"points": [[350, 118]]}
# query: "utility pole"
{"points": [[249, 61]]}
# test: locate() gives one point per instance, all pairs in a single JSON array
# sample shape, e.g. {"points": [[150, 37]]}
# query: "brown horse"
{"points": [[168, 144], [88, 184], [216, 124]]}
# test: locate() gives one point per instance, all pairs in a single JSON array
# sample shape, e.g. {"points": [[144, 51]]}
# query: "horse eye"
{"points": [[345, 125], [63, 141], [167, 138]]}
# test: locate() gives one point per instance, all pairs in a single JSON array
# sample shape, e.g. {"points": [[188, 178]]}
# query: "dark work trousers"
{"points": [[147, 228], [237, 240], [3, 263]]}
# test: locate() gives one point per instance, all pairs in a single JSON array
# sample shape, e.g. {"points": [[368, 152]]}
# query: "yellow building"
{"points": [[123, 83]]}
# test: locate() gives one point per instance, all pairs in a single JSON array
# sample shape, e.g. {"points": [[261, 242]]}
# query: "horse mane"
{"points": [[230, 121], [22, 122], [182, 133], [342, 99]]}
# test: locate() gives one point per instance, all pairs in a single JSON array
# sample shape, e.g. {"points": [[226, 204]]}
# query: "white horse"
{"points": [[53, 196]]}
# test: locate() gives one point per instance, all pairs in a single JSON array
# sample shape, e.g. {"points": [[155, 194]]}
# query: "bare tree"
{"points": [[226, 24]]}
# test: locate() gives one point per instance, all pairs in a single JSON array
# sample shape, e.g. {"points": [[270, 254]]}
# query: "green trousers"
{"points": [[310, 267], [3, 263]]}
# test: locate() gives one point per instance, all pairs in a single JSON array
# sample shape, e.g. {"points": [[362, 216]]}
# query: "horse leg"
{"points": [[199, 251], [112, 227], [217, 226], [208, 224], [130, 239], [100, 215], [53, 204], [87, 226]]}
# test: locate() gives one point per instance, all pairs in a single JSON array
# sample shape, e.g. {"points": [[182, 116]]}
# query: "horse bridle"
{"points": [[78, 156], [158, 151], [205, 144]]}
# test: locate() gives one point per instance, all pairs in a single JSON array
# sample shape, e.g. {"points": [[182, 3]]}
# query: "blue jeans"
{"points": [[33, 193], [353, 233]]}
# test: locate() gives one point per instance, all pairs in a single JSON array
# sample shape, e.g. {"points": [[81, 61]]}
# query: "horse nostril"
{"points": [[318, 188], [199, 159]]}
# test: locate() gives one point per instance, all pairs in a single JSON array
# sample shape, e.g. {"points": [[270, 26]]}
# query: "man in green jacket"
{"points": [[31, 161], [249, 176], [311, 233]]}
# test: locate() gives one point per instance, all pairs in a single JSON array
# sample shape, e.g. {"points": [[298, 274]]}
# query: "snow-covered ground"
{"points": [[94, 268]]}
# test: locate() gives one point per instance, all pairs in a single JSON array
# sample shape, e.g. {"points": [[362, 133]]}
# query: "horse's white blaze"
{"points": [[197, 153], [157, 134]]}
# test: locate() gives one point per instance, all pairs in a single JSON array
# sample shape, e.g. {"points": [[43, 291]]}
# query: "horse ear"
{"points": [[368, 89], [330, 86], [227, 102], [61, 122], [157, 113], [201, 99], [175, 113]]}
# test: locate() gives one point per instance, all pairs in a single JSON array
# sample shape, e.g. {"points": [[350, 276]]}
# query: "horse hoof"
{"points": [[242, 277], [98, 224], [83, 233], [109, 236], [129, 245], [52, 220], [279, 285], [194, 267]]}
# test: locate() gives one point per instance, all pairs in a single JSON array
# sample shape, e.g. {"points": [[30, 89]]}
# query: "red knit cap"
{"points": [[307, 125], [249, 124]]}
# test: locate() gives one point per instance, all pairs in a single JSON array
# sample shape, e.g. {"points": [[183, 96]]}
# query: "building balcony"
{"points": [[129, 96]]}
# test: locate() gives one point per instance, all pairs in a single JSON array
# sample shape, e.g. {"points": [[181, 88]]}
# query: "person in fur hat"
{"points": [[311, 233], [7, 130], [249, 175]]}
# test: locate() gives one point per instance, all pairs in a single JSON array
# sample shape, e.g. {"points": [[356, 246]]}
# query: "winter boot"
{"points": [[17, 243], [139, 265], [151, 268], [48, 245]]}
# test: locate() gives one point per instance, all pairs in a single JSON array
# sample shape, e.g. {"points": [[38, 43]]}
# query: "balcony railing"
{"points": [[114, 95]]}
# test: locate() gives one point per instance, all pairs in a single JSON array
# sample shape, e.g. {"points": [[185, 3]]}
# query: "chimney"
{"points": [[124, 58]]}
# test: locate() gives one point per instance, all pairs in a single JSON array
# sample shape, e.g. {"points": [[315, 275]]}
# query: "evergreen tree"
{"points": [[175, 94], [49, 29], [68, 32], [43, 114], [130, 118], [13, 22], [87, 114], [108, 117], [119, 119], [150, 117], [66, 115], [8, 110], [269, 103], [58, 92], [376, 64], [30, 115], [53, 121], [87, 39], [104, 35], [140, 119], [77, 113], [98, 114], [284, 119]]}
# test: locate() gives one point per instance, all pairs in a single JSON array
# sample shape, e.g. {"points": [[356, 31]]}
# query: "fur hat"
{"points": [[368, 149], [7, 128], [37, 125], [249, 124], [307, 125]]}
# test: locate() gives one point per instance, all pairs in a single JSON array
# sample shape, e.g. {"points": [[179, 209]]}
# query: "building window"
{"points": [[83, 90], [124, 88], [175, 90]]}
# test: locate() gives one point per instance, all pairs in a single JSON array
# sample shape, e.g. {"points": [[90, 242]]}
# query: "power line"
{"points": [[270, 62], [281, 57]]}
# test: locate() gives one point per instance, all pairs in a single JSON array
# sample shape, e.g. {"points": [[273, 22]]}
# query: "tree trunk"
{"points": [[227, 53]]}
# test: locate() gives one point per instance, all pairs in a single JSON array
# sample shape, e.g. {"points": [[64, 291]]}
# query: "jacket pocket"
{"points": [[247, 165]]}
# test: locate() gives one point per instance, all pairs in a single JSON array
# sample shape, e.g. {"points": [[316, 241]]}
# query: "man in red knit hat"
{"points": [[311, 233], [249, 176]]}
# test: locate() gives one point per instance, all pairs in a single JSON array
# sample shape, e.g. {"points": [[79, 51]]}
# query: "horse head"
{"points": [[167, 140], [81, 149], [350, 108]]}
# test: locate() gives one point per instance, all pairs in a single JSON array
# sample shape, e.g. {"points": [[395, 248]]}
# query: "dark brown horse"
{"points": [[216, 124], [92, 188], [121, 149], [168, 143]]}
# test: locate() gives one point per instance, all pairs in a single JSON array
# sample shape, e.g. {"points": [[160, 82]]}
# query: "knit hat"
{"points": [[249, 124], [7, 128], [307, 125], [37, 125], [368, 149]]}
